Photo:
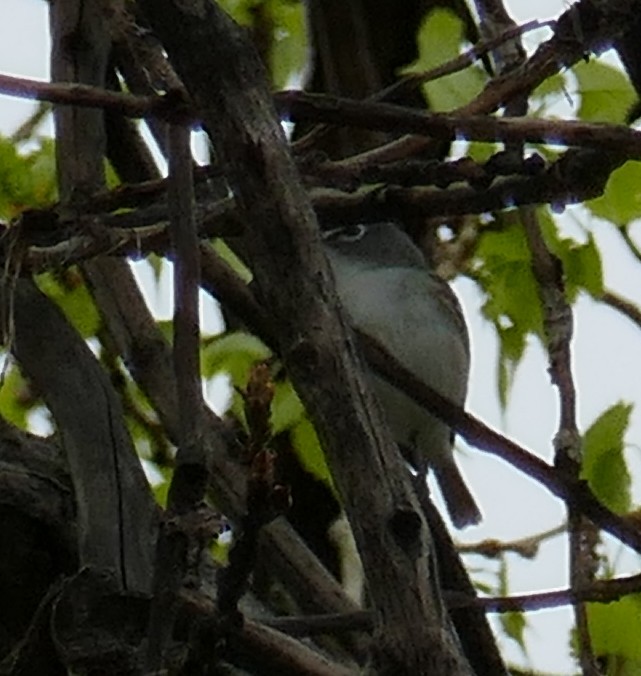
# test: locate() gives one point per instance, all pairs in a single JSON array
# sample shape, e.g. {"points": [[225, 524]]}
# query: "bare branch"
{"points": [[166, 107], [567, 46], [297, 106], [486, 439], [527, 547], [180, 535], [116, 522], [186, 345], [293, 279], [558, 328], [600, 591], [625, 307]]}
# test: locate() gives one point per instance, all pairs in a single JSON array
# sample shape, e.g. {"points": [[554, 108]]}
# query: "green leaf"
{"points": [[583, 268], [233, 353], [582, 265], [27, 179], [161, 489], [514, 627], [12, 404], [241, 11], [220, 548], [550, 88], [142, 421], [606, 93], [287, 408], [166, 328], [502, 265], [512, 342], [514, 623], [502, 268], [232, 260], [621, 666], [157, 265], [621, 199], [604, 466], [70, 293], [112, 179], [289, 48], [615, 627], [280, 26], [440, 39], [481, 152], [310, 452]]}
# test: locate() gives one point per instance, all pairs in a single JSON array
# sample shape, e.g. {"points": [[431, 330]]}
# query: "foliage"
{"points": [[70, 293], [27, 177], [513, 624], [281, 25], [614, 629], [620, 203], [502, 269], [605, 93], [604, 466], [440, 39], [234, 354]]}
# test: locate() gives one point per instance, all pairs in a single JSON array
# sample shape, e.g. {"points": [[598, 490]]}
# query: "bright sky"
{"points": [[604, 354]]}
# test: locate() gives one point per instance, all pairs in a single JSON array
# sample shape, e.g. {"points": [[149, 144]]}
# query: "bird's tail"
{"points": [[461, 505]]}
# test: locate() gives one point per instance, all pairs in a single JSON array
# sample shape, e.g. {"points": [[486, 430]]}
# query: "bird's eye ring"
{"points": [[348, 233]]}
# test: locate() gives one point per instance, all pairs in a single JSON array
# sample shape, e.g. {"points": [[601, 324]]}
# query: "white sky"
{"points": [[604, 354]]}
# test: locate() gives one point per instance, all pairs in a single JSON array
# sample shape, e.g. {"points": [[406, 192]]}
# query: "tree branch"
{"points": [[293, 279], [117, 514]]}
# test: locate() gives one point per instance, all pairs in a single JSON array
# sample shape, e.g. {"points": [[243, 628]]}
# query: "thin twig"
{"points": [[228, 287], [469, 124], [479, 435], [561, 51], [625, 307], [413, 80], [601, 591], [26, 130], [183, 533], [462, 61], [166, 107], [134, 233], [186, 347], [472, 126], [526, 547], [632, 245], [558, 329]]}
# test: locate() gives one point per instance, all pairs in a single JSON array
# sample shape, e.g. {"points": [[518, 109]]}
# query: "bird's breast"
{"points": [[402, 309]]}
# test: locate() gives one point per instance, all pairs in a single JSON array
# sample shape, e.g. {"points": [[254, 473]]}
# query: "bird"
{"points": [[391, 293]]}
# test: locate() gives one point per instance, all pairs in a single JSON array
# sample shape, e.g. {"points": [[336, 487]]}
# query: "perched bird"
{"points": [[391, 294]]}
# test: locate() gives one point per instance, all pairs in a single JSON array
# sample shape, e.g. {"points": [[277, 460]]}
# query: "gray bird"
{"points": [[391, 294]]}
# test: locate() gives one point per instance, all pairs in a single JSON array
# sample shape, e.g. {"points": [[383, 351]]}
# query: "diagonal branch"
{"points": [[294, 283]]}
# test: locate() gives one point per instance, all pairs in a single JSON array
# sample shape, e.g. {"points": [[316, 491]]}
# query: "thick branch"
{"points": [[186, 344], [90, 421], [135, 335], [116, 521], [293, 279]]}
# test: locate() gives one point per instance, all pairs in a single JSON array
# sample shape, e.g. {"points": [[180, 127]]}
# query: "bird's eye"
{"points": [[348, 233]]}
